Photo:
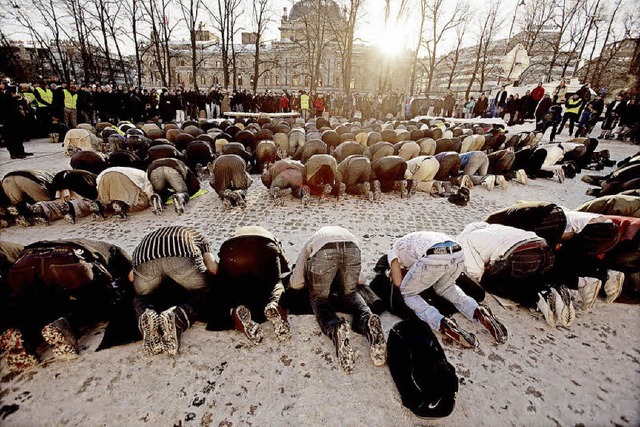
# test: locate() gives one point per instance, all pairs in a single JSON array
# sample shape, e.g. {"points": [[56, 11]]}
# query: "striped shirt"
{"points": [[175, 241]]}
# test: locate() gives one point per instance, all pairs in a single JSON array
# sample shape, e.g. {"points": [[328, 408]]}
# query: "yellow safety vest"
{"points": [[70, 100], [30, 97], [304, 102], [46, 95], [573, 106]]}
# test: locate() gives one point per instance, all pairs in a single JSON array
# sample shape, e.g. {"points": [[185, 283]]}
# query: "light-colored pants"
{"points": [[149, 275], [422, 169], [18, 188], [441, 272], [166, 177], [477, 167], [179, 116]]}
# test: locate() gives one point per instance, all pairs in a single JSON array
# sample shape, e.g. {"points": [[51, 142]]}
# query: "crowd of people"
{"points": [[540, 255]]}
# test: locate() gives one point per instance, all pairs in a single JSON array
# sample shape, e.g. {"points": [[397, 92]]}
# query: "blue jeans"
{"points": [[341, 263]]}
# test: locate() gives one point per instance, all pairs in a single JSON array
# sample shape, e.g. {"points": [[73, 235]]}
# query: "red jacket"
{"points": [[319, 103], [537, 93]]}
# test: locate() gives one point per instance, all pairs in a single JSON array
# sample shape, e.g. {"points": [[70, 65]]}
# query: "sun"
{"points": [[391, 41]]}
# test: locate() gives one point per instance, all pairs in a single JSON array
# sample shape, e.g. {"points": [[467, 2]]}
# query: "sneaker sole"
{"points": [[568, 311], [281, 327], [62, 347], [170, 342], [11, 339], [378, 344], [252, 330], [19, 360], [346, 355], [613, 294], [152, 340], [497, 330]]}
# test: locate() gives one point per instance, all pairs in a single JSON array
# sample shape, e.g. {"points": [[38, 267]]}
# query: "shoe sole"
{"points": [[150, 325], [11, 339], [19, 360], [281, 326], [613, 294], [169, 330], [346, 355], [378, 344], [252, 330], [568, 311], [497, 330], [592, 297], [63, 347]]}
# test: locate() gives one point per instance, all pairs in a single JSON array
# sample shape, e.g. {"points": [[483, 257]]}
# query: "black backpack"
{"points": [[427, 382]]}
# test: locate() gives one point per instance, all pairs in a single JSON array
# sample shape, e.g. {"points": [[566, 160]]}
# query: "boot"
{"points": [[244, 323], [377, 343], [149, 324], [346, 355]]}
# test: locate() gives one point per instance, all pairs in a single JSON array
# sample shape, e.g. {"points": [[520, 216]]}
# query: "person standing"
{"points": [[13, 113], [572, 109], [500, 102], [70, 107], [304, 105], [480, 109], [449, 103]]}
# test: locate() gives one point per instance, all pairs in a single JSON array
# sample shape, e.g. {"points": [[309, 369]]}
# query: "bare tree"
{"points": [[224, 14], [488, 28], [452, 59], [190, 10], [133, 14], [565, 11], [441, 18], [262, 17], [157, 13], [344, 34]]}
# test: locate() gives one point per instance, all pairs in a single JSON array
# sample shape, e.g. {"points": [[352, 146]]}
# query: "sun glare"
{"points": [[391, 41]]}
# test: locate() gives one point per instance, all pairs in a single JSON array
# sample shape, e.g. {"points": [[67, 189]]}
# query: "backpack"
{"points": [[427, 382]]}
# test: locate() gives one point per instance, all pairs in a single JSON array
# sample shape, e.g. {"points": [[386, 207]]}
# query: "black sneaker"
{"points": [[244, 323], [377, 342], [450, 328], [120, 209], [497, 330], [344, 351], [97, 209], [69, 212], [61, 338]]}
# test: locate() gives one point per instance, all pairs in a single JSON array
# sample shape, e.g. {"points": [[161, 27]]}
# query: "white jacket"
{"points": [[485, 243]]}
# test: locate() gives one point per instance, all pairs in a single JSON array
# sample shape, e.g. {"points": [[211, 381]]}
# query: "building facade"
{"points": [[286, 63]]}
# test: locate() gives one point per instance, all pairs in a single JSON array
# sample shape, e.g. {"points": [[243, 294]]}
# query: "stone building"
{"points": [[540, 54], [616, 68], [284, 63]]}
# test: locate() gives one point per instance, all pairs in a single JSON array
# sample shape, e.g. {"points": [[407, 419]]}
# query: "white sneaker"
{"points": [[466, 182], [588, 287], [521, 176], [489, 182], [613, 285], [547, 312], [568, 314], [559, 173], [556, 304], [502, 182]]}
